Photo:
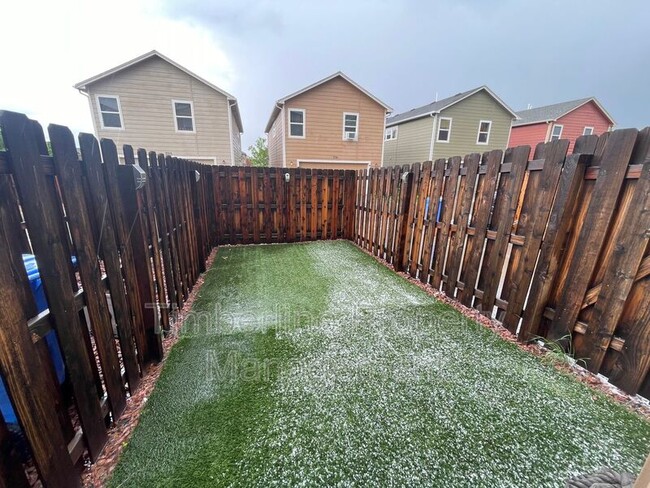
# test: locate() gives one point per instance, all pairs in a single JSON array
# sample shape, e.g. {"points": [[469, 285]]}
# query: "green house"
{"points": [[473, 121]]}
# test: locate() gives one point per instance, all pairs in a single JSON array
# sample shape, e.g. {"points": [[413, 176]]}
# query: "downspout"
{"points": [[433, 132], [282, 124], [92, 114], [232, 149]]}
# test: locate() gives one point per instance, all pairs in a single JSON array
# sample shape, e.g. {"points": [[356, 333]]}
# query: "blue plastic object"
{"points": [[36, 284]]}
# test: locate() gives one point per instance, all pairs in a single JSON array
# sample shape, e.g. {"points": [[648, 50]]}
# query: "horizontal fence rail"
{"points": [[552, 246]]}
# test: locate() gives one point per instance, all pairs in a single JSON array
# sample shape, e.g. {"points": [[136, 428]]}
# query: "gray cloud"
{"points": [[536, 52]]}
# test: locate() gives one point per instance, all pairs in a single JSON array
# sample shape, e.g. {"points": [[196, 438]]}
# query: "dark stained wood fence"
{"points": [[553, 246], [139, 251], [259, 205], [140, 233]]}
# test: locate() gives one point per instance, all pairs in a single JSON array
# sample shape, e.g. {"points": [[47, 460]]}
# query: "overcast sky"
{"points": [[405, 53]]}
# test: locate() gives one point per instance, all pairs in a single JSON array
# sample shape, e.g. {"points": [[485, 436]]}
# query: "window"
{"points": [[444, 129], [484, 127], [184, 115], [110, 113], [296, 122], [556, 133], [588, 131], [391, 133], [350, 126]]}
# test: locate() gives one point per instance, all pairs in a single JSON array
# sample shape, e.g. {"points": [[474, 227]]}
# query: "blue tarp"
{"points": [[52, 342]]}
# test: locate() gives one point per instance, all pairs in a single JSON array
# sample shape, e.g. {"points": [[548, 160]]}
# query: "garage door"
{"points": [[326, 165]]}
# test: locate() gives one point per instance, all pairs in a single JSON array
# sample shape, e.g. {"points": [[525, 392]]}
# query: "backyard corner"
{"points": [[314, 365]]}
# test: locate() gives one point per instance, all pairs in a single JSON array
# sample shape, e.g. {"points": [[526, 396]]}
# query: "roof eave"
{"points": [[274, 115]]}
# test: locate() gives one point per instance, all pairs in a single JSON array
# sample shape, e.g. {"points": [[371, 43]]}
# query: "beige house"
{"points": [[473, 121], [155, 103], [333, 124]]}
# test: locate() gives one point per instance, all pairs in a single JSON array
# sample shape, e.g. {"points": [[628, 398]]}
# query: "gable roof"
{"points": [[440, 105], [550, 113], [83, 85], [338, 74]]}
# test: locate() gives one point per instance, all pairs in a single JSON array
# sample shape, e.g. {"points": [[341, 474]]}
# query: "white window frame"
{"points": [[584, 131], [553, 130], [449, 130], [356, 127], [489, 131], [119, 112], [304, 123], [390, 134], [176, 116]]}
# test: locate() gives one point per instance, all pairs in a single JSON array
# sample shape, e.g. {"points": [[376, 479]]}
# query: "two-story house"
{"points": [[565, 120], [473, 121], [333, 123], [155, 103]]}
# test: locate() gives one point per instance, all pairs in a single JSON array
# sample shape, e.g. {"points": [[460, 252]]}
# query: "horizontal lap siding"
{"points": [[528, 135], [146, 91], [574, 123], [412, 145], [464, 128], [275, 141], [324, 106]]}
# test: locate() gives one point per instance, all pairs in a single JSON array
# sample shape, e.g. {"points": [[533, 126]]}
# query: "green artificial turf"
{"points": [[313, 365]]}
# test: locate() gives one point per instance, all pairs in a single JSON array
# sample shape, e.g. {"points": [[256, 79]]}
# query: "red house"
{"points": [[566, 120]]}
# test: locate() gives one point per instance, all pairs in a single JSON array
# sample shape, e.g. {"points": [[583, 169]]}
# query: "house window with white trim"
{"points": [[391, 133], [350, 126], [556, 133], [588, 131], [444, 129], [484, 127], [109, 111], [184, 115], [296, 122]]}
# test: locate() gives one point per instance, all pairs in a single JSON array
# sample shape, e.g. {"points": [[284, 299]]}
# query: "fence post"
{"points": [[403, 223]]}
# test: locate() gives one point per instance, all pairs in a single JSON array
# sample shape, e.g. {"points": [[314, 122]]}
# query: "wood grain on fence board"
{"points": [[446, 216], [480, 217], [69, 173], [104, 217], [54, 261], [463, 208], [613, 164], [630, 248], [536, 208]]}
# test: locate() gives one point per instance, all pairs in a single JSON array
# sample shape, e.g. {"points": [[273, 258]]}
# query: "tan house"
{"points": [[155, 103], [473, 121], [333, 124]]}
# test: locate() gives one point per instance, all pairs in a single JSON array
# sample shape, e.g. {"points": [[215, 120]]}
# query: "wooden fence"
{"points": [[555, 246], [140, 234], [265, 205]]}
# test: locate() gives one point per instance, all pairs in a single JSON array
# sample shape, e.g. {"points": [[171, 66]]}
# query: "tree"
{"points": [[259, 153]]}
